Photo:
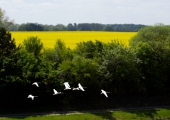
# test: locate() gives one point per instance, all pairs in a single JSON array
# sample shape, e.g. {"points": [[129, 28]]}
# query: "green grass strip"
{"points": [[155, 114]]}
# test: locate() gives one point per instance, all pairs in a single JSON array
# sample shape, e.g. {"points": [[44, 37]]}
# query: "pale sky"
{"points": [[147, 12]]}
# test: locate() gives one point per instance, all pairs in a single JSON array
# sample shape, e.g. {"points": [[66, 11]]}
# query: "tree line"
{"points": [[142, 69], [76, 27]]}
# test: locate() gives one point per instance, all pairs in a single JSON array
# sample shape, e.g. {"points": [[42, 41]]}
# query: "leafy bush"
{"points": [[33, 45]]}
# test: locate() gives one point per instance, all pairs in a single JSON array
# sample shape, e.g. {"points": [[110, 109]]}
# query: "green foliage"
{"points": [[140, 69], [71, 27], [7, 44], [60, 45], [78, 70], [84, 70], [27, 66], [76, 27], [108, 28], [30, 27], [64, 71], [151, 34], [151, 46], [33, 45], [89, 49], [7, 56], [61, 52], [152, 66], [4, 20], [50, 54], [118, 69]]}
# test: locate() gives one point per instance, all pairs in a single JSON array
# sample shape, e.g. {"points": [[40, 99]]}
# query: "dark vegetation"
{"points": [[135, 76], [76, 27]]}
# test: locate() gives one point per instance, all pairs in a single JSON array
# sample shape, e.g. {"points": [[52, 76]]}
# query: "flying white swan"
{"points": [[31, 96], [76, 88], [67, 86], [104, 92], [55, 92], [36, 84], [80, 87]]}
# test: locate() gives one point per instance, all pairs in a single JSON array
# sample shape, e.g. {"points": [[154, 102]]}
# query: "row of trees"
{"points": [[76, 27], [141, 69]]}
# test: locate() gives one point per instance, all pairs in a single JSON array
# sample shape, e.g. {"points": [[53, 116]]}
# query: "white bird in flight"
{"points": [[67, 86], [104, 92], [36, 84], [31, 96], [55, 92], [80, 87], [76, 88]]}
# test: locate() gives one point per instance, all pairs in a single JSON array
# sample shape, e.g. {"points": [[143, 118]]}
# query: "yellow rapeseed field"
{"points": [[72, 37]]}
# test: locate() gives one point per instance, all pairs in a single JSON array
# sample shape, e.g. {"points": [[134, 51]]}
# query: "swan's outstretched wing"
{"points": [[104, 92], [55, 91], [31, 96], [75, 88], [80, 87], [67, 86], [35, 83]]}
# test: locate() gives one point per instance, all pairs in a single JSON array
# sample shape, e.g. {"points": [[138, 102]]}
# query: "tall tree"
{"points": [[33, 45], [70, 27], [4, 20], [7, 56], [31, 27], [86, 49], [151, 34], [152, 46], [7, 44]]}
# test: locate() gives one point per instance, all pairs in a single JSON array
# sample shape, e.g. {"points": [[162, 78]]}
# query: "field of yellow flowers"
{"points": [[72, 37]]}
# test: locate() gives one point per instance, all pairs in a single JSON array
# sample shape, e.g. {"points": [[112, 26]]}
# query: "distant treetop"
{"points": [[77, 27]]}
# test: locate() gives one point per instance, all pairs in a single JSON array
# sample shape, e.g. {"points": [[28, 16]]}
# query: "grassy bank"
{"points": [[160, 114]]}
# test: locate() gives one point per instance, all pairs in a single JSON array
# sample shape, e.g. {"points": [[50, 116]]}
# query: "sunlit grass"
{"points": [[160, 114], [73, 37]]}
